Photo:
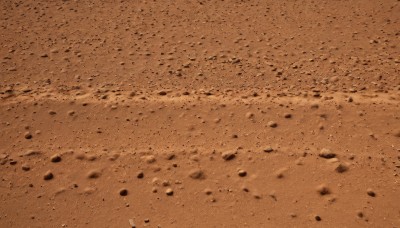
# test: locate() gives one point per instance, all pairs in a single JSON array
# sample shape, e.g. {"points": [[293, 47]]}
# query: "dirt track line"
{"points": [[356, 98]]}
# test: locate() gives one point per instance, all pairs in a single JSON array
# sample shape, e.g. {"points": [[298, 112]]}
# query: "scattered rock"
{"points": [[341, 168], [396, 133], [323, 190], [55, 158], [287, 115], [196, 174], [228, 155], [123, 192], [249, 115], [208, 191], [28, 135], [272, 124], [326, 153], [48, 175], [140, 175], [242, 173], [149, 159], [371, 193], [268, 149], [89, 190], [32, 153], [169, 192], [25, 167], [93, 174], [131, 223], [318, 218], [280, 173], [51, 112]]}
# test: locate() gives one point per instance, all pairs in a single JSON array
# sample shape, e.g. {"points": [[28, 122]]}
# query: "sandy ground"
{"points": [[200, 113]]}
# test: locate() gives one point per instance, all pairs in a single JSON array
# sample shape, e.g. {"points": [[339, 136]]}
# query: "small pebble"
{"points": [[140, 175], [28, 135], [123, 192], [242, 173], [272, 124], [51, 112], [208, 191], [326, 153], [196, 174], [48, 175], [268, 149], [93, 174], [249, 115], [341, 168], [55, 158], [228, 155], [371, 193], [169, 192], [280, 173], [323, 190], [26, 167]]}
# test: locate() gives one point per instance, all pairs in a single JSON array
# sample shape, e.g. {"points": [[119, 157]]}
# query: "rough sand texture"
{"points": [[200, 113]]}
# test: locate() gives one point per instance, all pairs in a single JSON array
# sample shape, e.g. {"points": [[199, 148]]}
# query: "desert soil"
{"points": [[200, 113]]}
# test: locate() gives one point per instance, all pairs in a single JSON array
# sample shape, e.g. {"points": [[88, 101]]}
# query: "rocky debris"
{"points": [[268, 149], [370, 192], [196, 174], [25, 167], [280, 173], [249, 115], [242, 173], [71, 113], [55, 158], [272, 124], [323, 189], [341, 168], [396, 133], [48, 175], [326, 153], [131, 223], [93, 174], [287, 115], [208, 191], [3, 159], [28, 135], [228, 155], [32, 153], [272, 194], [123, 192], [149, 159], [169, 192], [140, 175], [89, 190]]}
